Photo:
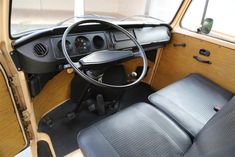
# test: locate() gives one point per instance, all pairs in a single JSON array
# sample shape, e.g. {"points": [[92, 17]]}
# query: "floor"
{"points": [[76, 153], [63, 132]]}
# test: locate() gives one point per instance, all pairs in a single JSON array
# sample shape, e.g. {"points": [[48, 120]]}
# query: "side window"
{"points": [[164, 10], [221, 12]]}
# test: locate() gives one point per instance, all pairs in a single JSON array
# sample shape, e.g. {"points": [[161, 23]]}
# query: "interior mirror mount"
{"points": [[206, 26], [206, 23]]}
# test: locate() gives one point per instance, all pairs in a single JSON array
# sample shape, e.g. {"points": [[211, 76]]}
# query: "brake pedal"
{"points": [[71, 115], [48, 121], [91, 107]]}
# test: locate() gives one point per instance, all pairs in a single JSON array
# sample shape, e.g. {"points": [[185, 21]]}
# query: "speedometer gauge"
{"points": [[82, 44], [68, 46]]}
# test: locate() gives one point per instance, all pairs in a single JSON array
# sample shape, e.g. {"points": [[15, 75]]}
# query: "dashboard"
{"points": [[79, 44], [41, 52]]}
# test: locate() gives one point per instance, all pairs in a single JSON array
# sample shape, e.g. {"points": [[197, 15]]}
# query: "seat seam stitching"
{"points": [[171, 116], [183, 110], [179, 107]]}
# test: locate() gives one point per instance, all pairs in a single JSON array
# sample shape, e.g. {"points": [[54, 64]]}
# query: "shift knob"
{"points": [[133, 74]]}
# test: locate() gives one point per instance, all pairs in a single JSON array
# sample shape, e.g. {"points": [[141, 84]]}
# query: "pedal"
{"points": [[91, 107], [116, 106], [90, 104], [100, 105], [71, 115], [113, 107], [48, 121]]}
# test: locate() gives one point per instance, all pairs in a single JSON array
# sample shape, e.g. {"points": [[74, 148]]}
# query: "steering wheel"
{"points": [[104, 57]]}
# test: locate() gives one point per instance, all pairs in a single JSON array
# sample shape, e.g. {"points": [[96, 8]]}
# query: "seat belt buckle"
{"points": [[217, 108]]}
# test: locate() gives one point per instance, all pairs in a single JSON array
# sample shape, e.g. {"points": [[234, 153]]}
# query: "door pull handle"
{"points": [[202, 60], [180, 45]]}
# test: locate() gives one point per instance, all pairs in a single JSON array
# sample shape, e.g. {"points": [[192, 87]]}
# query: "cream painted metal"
{"points": [[79, 7], [25, 153]]}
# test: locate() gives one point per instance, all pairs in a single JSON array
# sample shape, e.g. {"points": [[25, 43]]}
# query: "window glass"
{"points": [[28, 15], [221, 12], [164, 9]]}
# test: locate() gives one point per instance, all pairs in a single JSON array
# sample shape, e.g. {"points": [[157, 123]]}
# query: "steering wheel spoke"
{"points": [[105, 57], [77, 65]]}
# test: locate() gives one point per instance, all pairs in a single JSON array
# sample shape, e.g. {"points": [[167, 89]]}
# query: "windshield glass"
{"points": [[29, 15]]}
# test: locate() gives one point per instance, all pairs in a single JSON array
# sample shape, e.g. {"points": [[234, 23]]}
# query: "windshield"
{"points": [[29, 15]]}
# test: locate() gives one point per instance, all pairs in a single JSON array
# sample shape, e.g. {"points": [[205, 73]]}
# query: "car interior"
{"points": [[104, 87]]}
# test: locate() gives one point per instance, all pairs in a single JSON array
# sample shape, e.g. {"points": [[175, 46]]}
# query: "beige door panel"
{"points": [[54, 93], [178, 62], [12, 137]]}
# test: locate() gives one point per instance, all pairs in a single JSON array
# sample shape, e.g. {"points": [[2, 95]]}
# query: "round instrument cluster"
{"points": [[98, 42], [82, 44], [68, 46]]}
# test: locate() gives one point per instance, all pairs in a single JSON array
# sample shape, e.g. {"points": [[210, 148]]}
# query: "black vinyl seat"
{"points": [[217, 138], [183, 124], [191, 101], [138, 131], [144, 131]]}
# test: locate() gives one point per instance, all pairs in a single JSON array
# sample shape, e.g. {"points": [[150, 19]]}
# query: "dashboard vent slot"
{"points": [[40, 49]]}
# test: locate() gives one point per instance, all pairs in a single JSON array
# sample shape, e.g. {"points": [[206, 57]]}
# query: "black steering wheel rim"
{"points": [[76, 66]]}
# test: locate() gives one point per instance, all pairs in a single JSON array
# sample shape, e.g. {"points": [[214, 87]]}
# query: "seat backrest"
{"points": [[217, 138]]}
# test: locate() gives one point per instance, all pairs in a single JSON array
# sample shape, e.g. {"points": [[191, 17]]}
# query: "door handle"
{"points": [[180, 45], [205, 52], [202, 60]]}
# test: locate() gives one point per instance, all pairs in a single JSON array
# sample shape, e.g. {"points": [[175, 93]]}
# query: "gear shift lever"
{"points": [[100, 105]]}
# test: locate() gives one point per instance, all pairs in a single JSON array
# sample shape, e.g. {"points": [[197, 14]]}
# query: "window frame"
{"points": [[219, 36]]}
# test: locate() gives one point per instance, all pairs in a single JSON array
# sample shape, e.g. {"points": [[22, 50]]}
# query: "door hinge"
{"points": [[14, 81], [26, 116], [27, 124]]}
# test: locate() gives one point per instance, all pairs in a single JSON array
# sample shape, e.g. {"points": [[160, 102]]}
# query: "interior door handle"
{"points": [[202, 60], [180, 45]]}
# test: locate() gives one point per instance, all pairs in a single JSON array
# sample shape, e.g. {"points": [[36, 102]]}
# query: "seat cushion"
{"points": [[191, 101], [217, 138], [138, 131]]}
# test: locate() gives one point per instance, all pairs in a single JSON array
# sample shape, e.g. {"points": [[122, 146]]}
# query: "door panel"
{"points": [[12, 139], [178, 62], [54, 93]]}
